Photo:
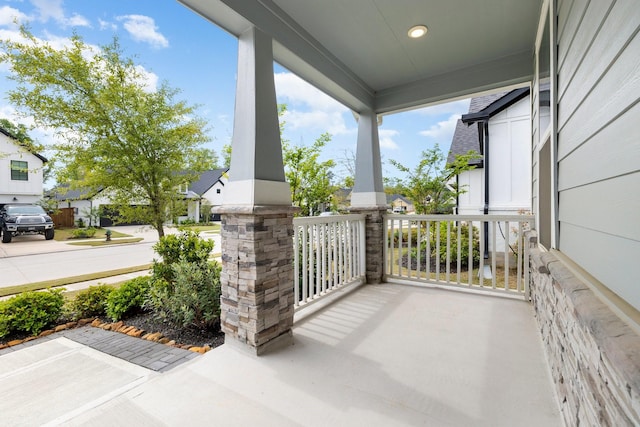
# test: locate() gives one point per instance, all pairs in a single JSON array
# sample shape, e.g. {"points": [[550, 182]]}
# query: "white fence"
{"points": [[474, 251], [329, 252]]}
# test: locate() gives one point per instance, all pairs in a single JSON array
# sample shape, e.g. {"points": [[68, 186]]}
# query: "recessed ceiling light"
{"points": [[417, 31]]}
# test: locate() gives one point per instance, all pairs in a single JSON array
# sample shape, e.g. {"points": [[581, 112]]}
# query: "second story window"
{"points": [[19, 170]]}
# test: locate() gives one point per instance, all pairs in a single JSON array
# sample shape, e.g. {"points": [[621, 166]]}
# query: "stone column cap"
{"points": [[255, 209]]}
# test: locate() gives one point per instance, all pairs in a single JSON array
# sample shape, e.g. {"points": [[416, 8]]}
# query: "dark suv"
{"points": [[24, 219]]}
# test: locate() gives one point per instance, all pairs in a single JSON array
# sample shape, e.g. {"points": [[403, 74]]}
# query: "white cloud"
{"points": [[78, 21], [106, 25], [144, 29], [442, 130], [308, 107], [52, 9], [386, 137], [8, 15], [148, 79]]}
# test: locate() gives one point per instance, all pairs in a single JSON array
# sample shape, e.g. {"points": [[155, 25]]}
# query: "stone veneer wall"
{"points": [[594, 356], [257, 275], [374, 233]]}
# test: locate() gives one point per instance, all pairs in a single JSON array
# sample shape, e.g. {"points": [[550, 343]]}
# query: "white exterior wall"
{"points": [[598, 159], [509, 165], [24, 191], [472, 201], [212, 196]]}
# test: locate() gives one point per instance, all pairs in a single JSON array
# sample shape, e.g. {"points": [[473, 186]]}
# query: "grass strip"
{"points": [[104, 242], [13, 290]]}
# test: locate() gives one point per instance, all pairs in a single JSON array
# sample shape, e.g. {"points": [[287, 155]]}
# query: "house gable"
{"points": [[25, 184]]}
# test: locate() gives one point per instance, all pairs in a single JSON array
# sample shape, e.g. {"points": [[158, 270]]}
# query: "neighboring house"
{"points": [[399, 203], [210, 188], [21, 178], [504, 143], [84, 202], [497, 127]]}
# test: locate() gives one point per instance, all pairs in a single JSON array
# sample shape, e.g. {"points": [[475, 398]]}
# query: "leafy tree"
{"points": [[118, 134], [226, 155], [308, 177], [429, 185]]}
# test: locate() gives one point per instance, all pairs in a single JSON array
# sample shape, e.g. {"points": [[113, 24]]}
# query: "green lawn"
{"points": [[64, 234], [12, 290], [209, 228], [82, 242]]}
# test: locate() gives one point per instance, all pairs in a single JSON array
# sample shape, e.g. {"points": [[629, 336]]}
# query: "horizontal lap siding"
{"points": [[598, 139], [616, 258]]}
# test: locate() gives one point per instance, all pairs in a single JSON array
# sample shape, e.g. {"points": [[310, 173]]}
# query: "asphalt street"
{"points": [[31, 259]]}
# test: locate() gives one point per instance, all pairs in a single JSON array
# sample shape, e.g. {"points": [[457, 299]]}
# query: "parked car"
{"points": [[25, 219]]}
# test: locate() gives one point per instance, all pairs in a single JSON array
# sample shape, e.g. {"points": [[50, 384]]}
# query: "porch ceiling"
{"points": [[358, 50]]}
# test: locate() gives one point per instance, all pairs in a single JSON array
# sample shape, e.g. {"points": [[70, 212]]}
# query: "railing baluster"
{"points": [[493, 254], [391, 242], [409, 248], [470, 262], [296, 265], [507, 254], [519, 259], [305, 261], [418, 247], [400, 246], [428, 253], [482, 255], [448, 257], [437, 251]]}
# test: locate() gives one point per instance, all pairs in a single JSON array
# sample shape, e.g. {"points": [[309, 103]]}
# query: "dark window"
{"points": [[19, 170], [218, 191]]}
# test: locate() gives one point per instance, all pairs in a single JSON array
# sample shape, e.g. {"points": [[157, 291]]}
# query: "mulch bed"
{"points": [[199, 338]]}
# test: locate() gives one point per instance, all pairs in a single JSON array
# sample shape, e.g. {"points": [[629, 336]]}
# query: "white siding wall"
{"points": [[598, 139], [471, 202], [509, 165], [24, 191], [212, 196]]}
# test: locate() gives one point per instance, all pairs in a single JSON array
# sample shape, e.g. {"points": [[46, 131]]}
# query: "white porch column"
{"points": [[368, 190], [368, 195], [256, 175], [256, 302]]}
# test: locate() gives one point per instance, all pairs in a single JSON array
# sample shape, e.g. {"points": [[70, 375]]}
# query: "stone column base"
{"points": [[374, 232], [256, 302]]}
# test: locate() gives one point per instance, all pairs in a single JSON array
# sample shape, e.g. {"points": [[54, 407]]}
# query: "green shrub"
{"points": [[128, 298], [91, 302], [30, 312], [453, 236], [83, 233], [193, 299], [405, 235], [186, 246]]}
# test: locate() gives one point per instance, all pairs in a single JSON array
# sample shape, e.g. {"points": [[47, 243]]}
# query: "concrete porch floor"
{"points": [[383, 355]]}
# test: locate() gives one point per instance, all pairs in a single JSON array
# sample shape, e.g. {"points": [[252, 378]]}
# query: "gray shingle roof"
{"points": [[206, 180], [63, 193], [465, 137]]}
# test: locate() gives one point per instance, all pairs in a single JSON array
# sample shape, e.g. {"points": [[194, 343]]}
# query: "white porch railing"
{"points": [[474, 251], [329, 252]]}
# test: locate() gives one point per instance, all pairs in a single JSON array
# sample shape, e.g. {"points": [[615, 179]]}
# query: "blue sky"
{"points": [[175, 45]]}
